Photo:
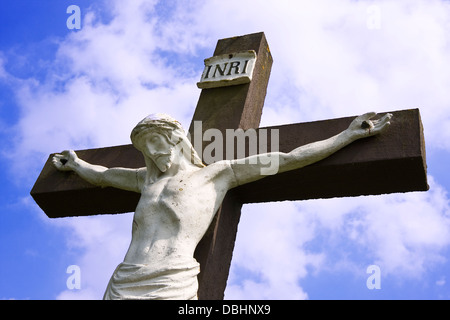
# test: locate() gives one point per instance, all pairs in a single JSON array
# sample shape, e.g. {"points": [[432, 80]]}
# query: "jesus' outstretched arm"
{"points": [[252, 168], [122, 178]]}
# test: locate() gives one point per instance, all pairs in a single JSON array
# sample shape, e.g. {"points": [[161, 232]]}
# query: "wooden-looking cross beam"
{"points": [[391, 162]]}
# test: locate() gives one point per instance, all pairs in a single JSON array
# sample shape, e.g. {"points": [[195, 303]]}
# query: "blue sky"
{"points": [[76, 89]]}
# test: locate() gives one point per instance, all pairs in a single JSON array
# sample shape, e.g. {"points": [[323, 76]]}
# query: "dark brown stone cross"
{"points": [[391, 162]]}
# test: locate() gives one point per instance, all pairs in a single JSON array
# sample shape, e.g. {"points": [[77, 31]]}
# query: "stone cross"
{"points": [[232, 97]]}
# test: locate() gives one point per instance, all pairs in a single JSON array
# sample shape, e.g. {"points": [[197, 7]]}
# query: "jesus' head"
{"points": [[162, 138]]}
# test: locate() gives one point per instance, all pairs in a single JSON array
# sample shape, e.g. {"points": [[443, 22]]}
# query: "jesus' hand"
{"points": [[65, 161], [363, 127]]}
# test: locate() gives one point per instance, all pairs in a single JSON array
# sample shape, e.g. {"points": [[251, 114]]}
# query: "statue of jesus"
{"points": [[180, 196]]}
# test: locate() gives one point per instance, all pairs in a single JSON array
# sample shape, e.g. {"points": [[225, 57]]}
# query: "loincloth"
{"points": [[171, 280]]}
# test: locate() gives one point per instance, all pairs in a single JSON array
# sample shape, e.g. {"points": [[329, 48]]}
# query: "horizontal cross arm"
{"points": [[392, 162], [65, 194], [387, 163]]}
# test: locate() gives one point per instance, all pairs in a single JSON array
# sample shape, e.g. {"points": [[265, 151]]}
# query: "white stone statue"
{"points": [[179, 197]]}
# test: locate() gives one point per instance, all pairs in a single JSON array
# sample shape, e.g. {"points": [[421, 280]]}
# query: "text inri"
{"points": [[228, 70]]}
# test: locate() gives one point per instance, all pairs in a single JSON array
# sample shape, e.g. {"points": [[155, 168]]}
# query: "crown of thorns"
{"points": [[158, 122]]}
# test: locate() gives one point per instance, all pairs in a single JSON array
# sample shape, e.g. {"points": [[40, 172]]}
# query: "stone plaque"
{"points": [[228, 70]]}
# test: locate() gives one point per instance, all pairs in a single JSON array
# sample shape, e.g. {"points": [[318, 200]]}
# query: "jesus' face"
{"points": [[160, 149]]}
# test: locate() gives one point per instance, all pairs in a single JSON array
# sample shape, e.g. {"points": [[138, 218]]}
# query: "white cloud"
{"points": [[327, 63], [84, 294], [404, 233], [270, 247]]}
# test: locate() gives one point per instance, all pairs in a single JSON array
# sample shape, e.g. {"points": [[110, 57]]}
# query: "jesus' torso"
{"points": [[174, 212]]}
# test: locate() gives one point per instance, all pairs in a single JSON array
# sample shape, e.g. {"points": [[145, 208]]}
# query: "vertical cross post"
{"points": [[222, 108]]}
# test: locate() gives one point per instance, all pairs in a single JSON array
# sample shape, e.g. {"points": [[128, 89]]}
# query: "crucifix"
{"points": [[232, 97]]}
